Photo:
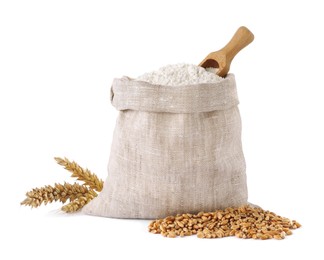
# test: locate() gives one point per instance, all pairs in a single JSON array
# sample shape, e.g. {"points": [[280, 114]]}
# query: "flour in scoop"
{"points": [[180, 75]]}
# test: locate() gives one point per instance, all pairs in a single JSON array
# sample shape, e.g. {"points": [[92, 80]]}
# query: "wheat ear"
{"points": [[86, 176], [58, 192], [79, 202]]}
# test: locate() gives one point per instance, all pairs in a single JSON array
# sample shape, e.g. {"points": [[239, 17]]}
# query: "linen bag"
{"points": [[175, 149]]}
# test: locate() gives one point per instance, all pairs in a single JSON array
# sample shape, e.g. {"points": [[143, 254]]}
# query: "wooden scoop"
{"points": [[222, 59]]}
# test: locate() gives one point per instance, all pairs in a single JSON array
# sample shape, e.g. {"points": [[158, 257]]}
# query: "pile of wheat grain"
{"points": [[242, 222]]}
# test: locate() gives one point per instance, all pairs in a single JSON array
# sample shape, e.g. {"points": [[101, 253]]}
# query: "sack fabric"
{"points": [[175, 149]]}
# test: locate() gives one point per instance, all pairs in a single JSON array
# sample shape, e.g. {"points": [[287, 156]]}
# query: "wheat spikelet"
{"points": [[79, 202], [78, 172], [58, 192]]}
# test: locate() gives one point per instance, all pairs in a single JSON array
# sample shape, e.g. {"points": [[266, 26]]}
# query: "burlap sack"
{"points": [[175, 150]]}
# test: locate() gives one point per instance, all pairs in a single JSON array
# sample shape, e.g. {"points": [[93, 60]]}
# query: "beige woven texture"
{"points": [[174, 150]]}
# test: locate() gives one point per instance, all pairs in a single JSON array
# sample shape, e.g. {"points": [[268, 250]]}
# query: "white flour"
{"points": [[180, 75]]}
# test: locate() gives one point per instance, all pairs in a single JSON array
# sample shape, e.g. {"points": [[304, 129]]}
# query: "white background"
{"points": [[57, 61]]}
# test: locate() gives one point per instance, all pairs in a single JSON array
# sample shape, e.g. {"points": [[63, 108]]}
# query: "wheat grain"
{"points": [[242, 222], [78, 172]]}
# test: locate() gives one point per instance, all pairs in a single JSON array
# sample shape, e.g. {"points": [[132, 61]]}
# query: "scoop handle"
{"points": [[242, 37]]}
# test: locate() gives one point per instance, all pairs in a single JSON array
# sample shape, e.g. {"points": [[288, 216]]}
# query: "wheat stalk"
{"points": [[78, 195], [79, 202], [58, 192], [78, 172]]}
